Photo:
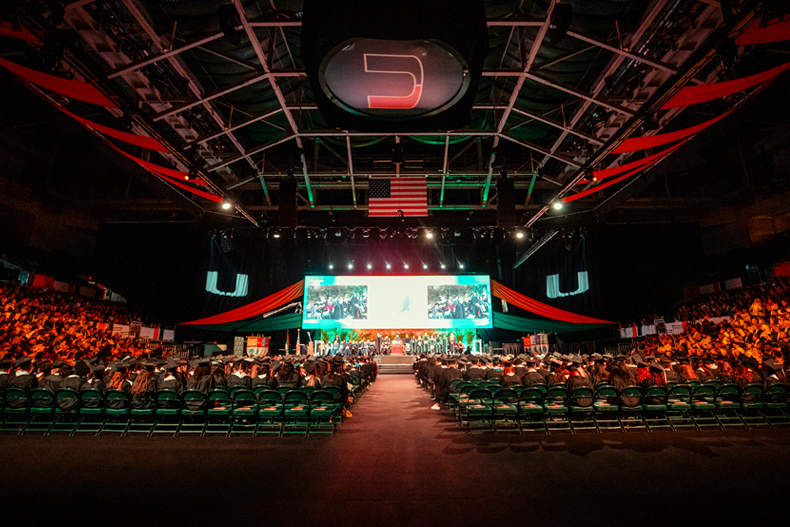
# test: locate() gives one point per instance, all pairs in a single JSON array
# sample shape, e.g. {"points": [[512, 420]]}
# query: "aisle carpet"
{"points": [[397, 462]]}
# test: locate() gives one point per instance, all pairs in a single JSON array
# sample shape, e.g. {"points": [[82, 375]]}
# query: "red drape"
{"points": [[133, 139], [643, 143], [653, 160], [263, 305], [609, 172], [81, 91], [156, 170], [7, 30], [539, 308], [708, 92], [775, 31]]}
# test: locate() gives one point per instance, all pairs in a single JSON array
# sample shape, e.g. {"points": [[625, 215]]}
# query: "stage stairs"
{"points": [[395, 364]]}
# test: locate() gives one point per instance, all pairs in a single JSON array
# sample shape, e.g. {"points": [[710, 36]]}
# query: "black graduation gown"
{"points": [[494, 374], [234, 380], [510, 380], [50, 382], [23, 382], [4, 378], [169, 384], [475, 372], [72, 381], [533, 377], [146, 399]]}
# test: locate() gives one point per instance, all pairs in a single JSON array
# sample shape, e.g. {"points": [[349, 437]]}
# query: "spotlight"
{"points": [[405, 266], [338, 234], [366, 233], [460, 266], [226, 204], [389, 266], [383, 233], [350, 266], [370, 266], [557, 205], [519, 235], [428, 234], [276, 234], [443, 266], [457, 233], [331, 266], [425, 266]]}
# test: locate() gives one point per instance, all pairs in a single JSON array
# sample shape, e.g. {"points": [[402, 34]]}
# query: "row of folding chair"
{"points": [[240, 410], [543, 408]]}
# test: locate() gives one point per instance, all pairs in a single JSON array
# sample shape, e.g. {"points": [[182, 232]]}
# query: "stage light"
{"points": [[425, 266], [460, 266], [443, 266], [405, 266], [519, 235], [338, 234], [557, 205], [331, 266], [389, 266], [276, 234], [370, 266], [350, 266], [428, 234], [226, 204]]}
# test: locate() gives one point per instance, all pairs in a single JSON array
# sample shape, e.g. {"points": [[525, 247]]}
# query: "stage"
{"points": [[395, 363]]}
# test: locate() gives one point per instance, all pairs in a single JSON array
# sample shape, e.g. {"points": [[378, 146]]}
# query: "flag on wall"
{"points": [[390, 195]]}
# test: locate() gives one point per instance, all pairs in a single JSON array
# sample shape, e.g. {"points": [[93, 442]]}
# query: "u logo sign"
{"points": [[399, 65], [553, 285], [242, 281]]}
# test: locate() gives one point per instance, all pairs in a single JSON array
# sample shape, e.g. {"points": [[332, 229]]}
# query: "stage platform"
{"points": [[395, 363]]}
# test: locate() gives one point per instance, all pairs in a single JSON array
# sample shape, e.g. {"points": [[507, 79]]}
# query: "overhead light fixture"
{"points": [[428, 234], [389, 266], [276, 234], [226, 204], [405, 266], [557, 205], [443, 266], [350, 266], [331, 266], [519, 235], [370, 266], [460, 266], [425, 266]]}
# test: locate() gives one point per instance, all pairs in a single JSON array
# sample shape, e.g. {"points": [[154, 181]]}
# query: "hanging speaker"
{"points": [[395, 66], [506, 202], [287, 212]]}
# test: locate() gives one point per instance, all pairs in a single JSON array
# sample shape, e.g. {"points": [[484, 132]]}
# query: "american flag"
{"points": [[389, 195]]}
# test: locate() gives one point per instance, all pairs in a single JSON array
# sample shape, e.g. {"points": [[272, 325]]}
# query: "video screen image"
{"points": [[404, 301], [458, 301], [336, 302]]}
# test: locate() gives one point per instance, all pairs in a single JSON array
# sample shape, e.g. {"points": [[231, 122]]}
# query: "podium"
{"points": [[396, 348]]}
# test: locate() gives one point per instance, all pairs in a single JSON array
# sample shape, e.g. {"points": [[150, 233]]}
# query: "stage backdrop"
{"points": [[417, 302]]}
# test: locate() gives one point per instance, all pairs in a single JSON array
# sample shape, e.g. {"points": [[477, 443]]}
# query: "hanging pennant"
{"points": [[133, 139], [709, 92], [775, 31], [80, 91], [643, 143]]}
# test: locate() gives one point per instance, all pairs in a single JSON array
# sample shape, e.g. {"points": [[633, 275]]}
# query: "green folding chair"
{"points": [[67, 410], [555, 406], [323, 412], [679, 407], [703, 407], [271, 412], [479, 411], [631, 408], [775, 403], [245, 412], [606, 408], [506, 411], [530, 410], [42, 411], [17, 410], [92, 411], [581, 410], [118, 412], [193, 412], [728, 397], [219, 412], [167, 412], [296, 413], [655, 408]]}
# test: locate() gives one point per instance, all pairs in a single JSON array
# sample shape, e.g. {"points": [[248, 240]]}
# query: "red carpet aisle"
{"points": [[396, 462]]}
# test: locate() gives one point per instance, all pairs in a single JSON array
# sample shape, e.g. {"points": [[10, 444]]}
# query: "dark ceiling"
{"points": [[550, 105]]}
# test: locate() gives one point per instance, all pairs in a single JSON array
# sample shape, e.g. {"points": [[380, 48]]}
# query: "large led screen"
{"points": [[415, 302]]}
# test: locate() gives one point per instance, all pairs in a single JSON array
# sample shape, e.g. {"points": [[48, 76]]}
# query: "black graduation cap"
{"points": [[97, 369], [656, 367], [22, 362], [309, 367], [44, 365], [772, 364], [81, 369], [6, 363]]}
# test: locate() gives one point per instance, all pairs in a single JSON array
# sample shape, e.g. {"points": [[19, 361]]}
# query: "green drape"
{"points": [[534, 325], [290, 321]]}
